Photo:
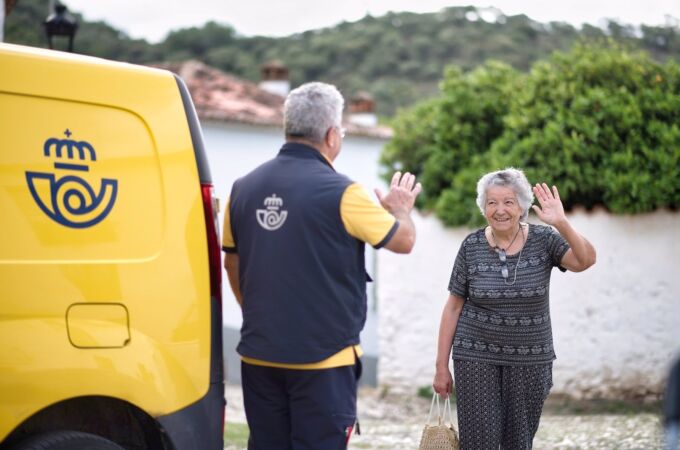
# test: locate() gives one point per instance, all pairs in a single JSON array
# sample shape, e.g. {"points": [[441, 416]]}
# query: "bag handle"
{"points": [[429, 416], [447, 406], [441, 414], [435, 397]]}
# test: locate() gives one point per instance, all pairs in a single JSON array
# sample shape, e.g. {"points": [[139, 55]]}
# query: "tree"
{"points": [[600, 122], [398, 57], [439, 138]]}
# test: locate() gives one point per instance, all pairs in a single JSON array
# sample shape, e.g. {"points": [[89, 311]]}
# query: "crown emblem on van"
{"points": [[70, 147], [63, 195], [271, 218]]}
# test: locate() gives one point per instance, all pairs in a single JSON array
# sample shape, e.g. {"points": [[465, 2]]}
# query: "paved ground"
{"points": [[391, 421]]}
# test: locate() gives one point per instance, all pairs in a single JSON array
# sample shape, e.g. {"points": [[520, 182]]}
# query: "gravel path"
{"points": [[392, 421]]}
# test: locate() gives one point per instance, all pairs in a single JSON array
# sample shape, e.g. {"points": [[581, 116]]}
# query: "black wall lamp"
{"points": [[60, 23]]}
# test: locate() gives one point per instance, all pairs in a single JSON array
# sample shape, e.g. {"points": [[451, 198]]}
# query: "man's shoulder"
{"points": [[267, 165], [325, 175], [257, 172], [341, 177], [319, 176]]}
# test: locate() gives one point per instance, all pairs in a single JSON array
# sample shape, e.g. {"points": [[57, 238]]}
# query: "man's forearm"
{"points": [[405, 237], [231, 262], [404, 218]]}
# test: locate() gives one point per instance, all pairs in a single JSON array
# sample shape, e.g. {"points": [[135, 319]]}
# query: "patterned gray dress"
{"points": [[503, 348]]}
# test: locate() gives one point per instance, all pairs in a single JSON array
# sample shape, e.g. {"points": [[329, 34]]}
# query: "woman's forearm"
{"points": [[447, 329], [582, 249]]}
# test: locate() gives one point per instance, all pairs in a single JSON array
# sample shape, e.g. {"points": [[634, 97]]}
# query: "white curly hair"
{"points": [[508, 177]]}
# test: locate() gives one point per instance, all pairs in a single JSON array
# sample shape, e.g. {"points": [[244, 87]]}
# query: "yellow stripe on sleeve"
{"points": [[228, 243], [363, 218]]}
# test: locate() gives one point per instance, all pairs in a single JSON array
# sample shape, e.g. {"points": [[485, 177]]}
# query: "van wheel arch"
{"points": [[65, 440], [111, 419]]}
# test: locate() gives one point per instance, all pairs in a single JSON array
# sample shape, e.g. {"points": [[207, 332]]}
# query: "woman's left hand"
{"points": [[551, 210]]}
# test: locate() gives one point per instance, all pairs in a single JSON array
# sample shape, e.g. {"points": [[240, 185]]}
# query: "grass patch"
{"points": [[566, 406], [236, 435], [427, 392]]}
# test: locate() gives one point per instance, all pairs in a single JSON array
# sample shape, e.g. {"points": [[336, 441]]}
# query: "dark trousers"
{"points": [[499, 405], [291, 409]]}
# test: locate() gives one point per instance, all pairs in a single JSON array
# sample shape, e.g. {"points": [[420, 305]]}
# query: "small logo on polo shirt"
{"points": [[271, 218]]}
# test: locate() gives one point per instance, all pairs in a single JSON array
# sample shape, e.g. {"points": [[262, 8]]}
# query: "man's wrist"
{"points": [[401, 214]]}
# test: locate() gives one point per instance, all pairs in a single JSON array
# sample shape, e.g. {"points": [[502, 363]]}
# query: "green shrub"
{"points": [[600, 122], [439, 137]]}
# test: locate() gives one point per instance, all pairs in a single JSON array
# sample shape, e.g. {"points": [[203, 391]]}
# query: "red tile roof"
{"points": [[223, 97], [220, 96]]}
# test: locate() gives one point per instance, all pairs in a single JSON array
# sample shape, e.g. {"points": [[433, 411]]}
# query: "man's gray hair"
{"points": [[311, 109], [509, 177]]}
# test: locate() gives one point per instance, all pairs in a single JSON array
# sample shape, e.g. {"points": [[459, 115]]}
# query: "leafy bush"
{"points": [[439, 137], [600, 122]]}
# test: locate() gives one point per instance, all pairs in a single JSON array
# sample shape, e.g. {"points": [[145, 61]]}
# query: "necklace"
{"points": [[495, 241], [503, 257]]}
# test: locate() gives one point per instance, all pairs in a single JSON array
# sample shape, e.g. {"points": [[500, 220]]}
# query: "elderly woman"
{"points": [[496, 321]]}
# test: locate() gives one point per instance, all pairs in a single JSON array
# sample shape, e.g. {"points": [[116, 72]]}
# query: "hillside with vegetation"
{"points": [[594, 110], [399, 57]]}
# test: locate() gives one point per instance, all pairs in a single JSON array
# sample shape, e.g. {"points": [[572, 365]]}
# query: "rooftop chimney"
{"points": [[275, 78], [361, 110]]}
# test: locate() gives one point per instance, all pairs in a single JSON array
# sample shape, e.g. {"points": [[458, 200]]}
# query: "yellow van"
{"points": [[110, 275]]}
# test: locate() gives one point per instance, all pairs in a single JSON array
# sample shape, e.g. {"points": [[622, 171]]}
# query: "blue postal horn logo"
{"points": [[64, 196]]}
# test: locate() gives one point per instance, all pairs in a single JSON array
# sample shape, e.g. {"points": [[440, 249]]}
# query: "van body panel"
{"points": [[101, 204], [144, 375]]}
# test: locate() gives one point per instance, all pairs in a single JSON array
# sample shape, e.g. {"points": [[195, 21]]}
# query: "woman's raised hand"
{"points": [[551, 210]]}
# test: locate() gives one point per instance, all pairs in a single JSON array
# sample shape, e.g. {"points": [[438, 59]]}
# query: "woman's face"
{"points": [[502, 209]]}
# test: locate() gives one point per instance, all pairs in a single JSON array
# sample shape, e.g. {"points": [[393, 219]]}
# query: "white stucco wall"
{"points": [[616, 326]]}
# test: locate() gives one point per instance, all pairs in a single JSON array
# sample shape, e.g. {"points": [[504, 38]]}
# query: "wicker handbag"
{"points": [[440, 436]]}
